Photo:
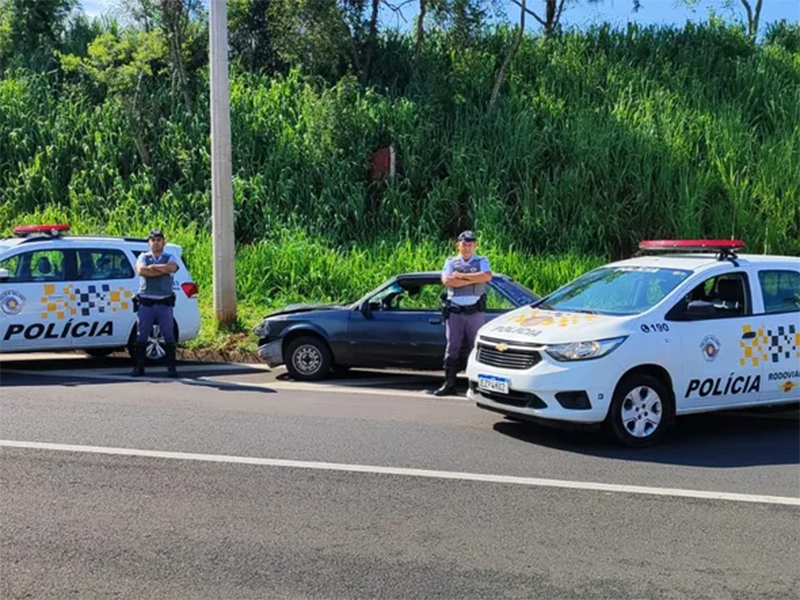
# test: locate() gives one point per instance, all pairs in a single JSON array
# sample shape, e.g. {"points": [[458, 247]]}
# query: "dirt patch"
{"points": [[236, 355]]}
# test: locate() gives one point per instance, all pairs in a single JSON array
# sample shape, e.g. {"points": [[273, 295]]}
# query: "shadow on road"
{"points": [[716, 440], [81, 371]]}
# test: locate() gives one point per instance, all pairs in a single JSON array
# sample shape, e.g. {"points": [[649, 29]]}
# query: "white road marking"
{"points": [[406, 472]]}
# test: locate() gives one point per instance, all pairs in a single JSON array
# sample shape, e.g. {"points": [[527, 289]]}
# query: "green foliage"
{"points": [[599, 139]]}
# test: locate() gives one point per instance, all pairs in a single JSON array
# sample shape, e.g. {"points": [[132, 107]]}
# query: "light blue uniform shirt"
{"points": [[155, 287], [449, 269]]}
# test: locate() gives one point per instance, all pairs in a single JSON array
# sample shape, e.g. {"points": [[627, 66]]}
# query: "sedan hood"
{"points": [[301, 308], [554, 327]]}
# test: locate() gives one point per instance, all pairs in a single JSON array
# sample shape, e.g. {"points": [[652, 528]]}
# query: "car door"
{"points": [[718, 332], [103, 287], [779, 290], [34, 304], [399, 326]]}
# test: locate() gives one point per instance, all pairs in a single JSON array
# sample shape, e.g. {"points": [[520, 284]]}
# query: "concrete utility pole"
{"points": [[221, 185]]}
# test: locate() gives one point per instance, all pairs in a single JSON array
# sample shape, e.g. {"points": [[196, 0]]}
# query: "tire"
{"points": [[98, 352], [308, 358], [641, 412]]}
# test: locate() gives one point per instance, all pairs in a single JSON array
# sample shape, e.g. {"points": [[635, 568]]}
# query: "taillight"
{"points": [[189, 288]]}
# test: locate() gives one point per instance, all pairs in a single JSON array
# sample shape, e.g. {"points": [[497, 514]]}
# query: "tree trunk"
{"points": [[753, 17], [131, 104], [372, 38], [501, 74], [173, 17], [423, 7]]}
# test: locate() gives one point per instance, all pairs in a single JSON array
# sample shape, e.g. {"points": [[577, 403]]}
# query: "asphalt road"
{"points": [[242, 484]]}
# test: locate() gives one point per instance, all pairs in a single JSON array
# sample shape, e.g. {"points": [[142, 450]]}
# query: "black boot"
{"points": [[138, 359], [170, 357], [448, 388]]}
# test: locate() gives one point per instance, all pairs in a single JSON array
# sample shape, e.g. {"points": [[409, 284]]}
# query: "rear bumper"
{"points": [[272, 353]]}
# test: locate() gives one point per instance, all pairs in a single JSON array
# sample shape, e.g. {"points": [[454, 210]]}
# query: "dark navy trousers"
{"points": [[461, 331], [160, 314]]}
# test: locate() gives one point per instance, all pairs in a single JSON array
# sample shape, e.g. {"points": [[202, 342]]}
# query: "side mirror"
{"points": [[365, 309], [701, 308], [4, 276], [693, 311]]}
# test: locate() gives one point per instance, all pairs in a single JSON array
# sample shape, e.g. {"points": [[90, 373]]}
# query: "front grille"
{"points": [[512, 358], [513, 398]]}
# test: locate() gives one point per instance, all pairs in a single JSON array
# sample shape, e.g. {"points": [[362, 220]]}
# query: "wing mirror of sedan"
{"points": [[4, 277], [365, 309]]}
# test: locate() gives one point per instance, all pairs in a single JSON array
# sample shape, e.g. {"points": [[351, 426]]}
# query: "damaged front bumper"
{"points": [[272, 353]]}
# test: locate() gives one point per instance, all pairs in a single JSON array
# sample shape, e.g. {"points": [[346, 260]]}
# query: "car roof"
{"points": [[434, 275], [704, 261], [79, 240]]}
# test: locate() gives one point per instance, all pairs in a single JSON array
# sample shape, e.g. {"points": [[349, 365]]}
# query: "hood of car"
{"points": [[293, 309], [554, 327]]}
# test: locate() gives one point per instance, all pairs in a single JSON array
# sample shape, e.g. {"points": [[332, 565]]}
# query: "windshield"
{"points": [[615, 290]]}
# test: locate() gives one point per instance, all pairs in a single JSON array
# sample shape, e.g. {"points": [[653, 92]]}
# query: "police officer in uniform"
{"points": [[465, 277], [156, 300]]}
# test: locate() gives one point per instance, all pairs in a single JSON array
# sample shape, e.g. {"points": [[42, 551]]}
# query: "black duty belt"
{"points": [[168, 301], [456, 309]]}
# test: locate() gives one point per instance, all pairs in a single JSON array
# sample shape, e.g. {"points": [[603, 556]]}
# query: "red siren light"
{"points": [[51, 230], [693, 245]]}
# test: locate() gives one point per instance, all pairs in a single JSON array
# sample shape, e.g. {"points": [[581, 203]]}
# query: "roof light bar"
{"points": [[51, 230], [693, 245]]}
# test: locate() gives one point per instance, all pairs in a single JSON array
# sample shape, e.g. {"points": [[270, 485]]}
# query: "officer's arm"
{"points": [[455, 282], [168, 268], [144, 270], [470, 278], [450, 277]]}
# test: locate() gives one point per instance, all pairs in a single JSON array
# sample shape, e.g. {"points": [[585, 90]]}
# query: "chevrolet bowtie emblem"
{"points": [[501, 347]]}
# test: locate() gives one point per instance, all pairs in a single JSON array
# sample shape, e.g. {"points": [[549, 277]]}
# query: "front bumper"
{"points": [[272, 353], [533, 391]]}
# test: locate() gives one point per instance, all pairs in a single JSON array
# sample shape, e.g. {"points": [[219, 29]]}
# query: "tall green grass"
{"points": [[599, 139]]}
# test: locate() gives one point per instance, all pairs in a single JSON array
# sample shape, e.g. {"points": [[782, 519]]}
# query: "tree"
{"points": [[123, 64], [501, 74], [173, 18], [249, 36], [752, 10], [553, 10], [31, 29]]}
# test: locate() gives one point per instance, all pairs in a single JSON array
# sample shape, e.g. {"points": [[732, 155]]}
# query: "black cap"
{"points": [[466, 236], [155, 233]]}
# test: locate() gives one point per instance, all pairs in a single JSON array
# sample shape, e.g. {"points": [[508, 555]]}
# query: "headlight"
{"points": [[584, 350], [262, 329]]}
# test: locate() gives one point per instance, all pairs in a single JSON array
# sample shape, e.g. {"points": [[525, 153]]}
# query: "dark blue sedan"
{"points": [[397, 325]]}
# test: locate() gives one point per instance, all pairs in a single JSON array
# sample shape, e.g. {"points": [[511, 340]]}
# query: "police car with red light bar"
{"points": [[686, 326], [61, 292]]}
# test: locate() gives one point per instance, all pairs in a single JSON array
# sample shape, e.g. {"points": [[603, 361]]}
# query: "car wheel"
{"points": [[98, 352], [156, 350], [308, 359], [641, 411]]}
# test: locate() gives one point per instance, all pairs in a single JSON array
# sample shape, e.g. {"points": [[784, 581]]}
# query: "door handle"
{"points": [[435, 320]]}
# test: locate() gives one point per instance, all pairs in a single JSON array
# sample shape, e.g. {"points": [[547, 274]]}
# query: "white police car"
{"points": [[634, 343], [76, 293]]}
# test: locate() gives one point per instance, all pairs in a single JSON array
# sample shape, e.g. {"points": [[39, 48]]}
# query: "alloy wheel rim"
{"points": [[155, 344], [307, 359], [642, 412]]}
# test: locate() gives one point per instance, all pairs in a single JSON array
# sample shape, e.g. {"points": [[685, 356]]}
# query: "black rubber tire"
{"points": [[313, 350], [614, 425], [98, 352]]}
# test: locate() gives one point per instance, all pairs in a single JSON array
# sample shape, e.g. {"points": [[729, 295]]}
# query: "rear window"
{"points": [[780, 291]]}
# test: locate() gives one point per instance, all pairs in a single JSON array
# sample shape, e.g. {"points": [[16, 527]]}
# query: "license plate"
{"points": [[490, 383]]}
